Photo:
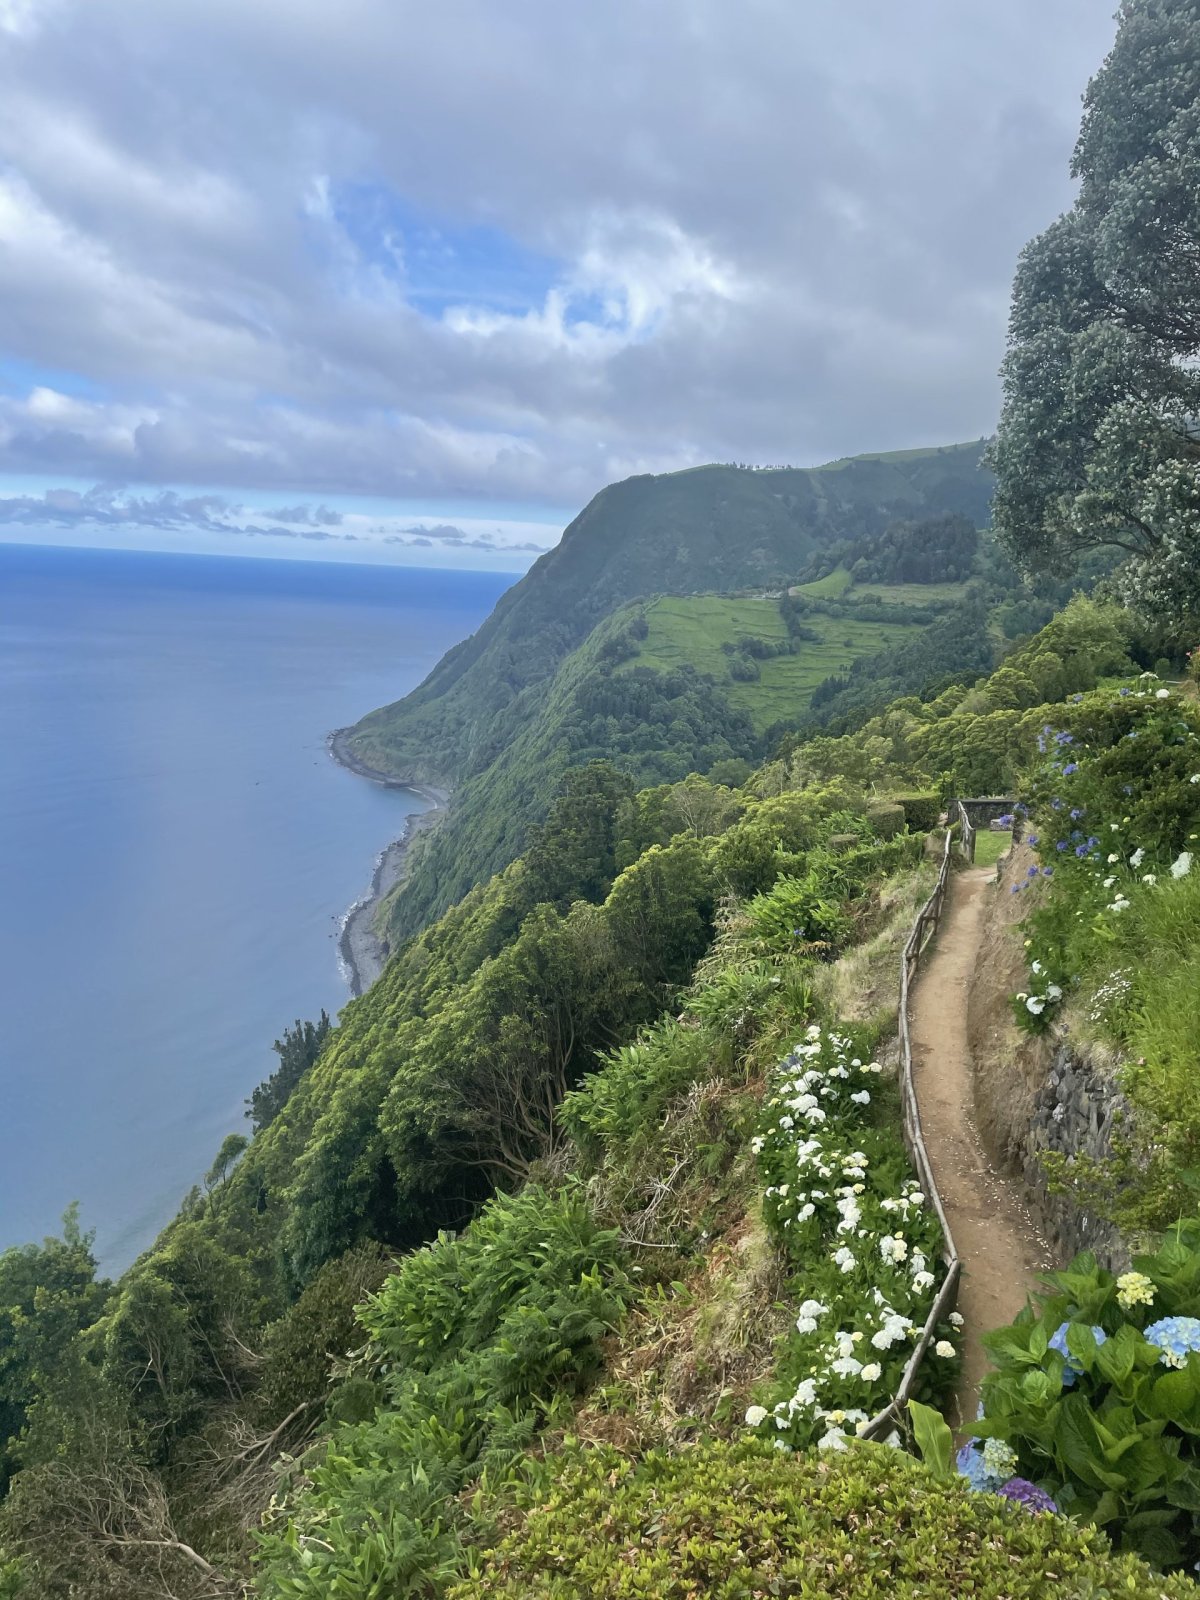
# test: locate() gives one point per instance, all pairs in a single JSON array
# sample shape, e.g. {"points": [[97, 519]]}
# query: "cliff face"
{"points": [[534, 691], [717, 528], [1034, 1095]]}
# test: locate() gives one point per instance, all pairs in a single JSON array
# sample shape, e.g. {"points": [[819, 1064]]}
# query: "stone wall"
{"points": [[1073, 1113]]}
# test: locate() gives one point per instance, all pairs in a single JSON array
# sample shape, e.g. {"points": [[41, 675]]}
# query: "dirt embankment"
{"points": [[1011, 1066]]}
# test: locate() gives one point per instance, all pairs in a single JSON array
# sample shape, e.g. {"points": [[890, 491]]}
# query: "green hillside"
{"points": [[497, 720], [580, 1068], [710, 529], [703, 632]]}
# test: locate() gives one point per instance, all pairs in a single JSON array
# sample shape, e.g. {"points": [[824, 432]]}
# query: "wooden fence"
{"points": [[895, 1415]]}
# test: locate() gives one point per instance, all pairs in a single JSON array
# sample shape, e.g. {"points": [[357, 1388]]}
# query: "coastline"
{"points": [[361, 952]]}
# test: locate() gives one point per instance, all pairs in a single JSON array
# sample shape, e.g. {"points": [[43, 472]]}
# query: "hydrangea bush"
{"points": [[843, 1205], [1096, 1399], [1113, 813]]}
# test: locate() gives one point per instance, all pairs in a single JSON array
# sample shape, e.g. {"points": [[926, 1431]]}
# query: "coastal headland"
{"points": [[362, 951]]}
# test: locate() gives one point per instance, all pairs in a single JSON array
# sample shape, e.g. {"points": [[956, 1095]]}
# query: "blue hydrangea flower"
{"points": [[1058, 1341], [1174, 1336], [973, 1468]]}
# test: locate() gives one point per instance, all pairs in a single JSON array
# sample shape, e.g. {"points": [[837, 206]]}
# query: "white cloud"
{"points": [[763, 232]]}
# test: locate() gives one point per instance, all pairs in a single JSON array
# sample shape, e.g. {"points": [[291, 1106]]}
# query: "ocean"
{"points": [[177, 849]]}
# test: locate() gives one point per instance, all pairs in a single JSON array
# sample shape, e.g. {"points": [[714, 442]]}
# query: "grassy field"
{"points": [[909, 594], [691, 631], [831, 587], [838, 585], [989, 846]]}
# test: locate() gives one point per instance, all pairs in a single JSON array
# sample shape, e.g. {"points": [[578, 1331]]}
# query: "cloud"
{"points": [[513, 252], [315, 516], [455, 538]]}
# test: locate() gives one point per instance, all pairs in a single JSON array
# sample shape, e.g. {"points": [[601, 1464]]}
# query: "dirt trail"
{"points": [[1001, 1250]]}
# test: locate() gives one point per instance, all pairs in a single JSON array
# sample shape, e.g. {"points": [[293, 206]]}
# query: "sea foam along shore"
{"points": [[361, 952]]}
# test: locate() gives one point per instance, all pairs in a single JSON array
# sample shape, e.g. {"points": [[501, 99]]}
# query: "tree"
{"points": [[299, 1048], [1099, 438], [48, 1293]]}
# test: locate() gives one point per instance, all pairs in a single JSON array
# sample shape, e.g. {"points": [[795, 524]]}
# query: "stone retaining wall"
{"points": [[1073, 1113]]}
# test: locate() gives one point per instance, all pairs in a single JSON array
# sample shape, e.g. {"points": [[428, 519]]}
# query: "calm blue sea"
{"points": [[176, 848]]}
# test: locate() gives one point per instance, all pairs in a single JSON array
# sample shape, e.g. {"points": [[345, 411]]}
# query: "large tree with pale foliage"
{"points": [[1099, 439]]}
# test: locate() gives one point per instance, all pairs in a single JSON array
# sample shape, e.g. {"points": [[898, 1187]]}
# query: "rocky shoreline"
{"points": [[363, 954]]}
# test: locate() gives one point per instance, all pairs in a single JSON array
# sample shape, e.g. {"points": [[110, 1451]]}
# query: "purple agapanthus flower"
{"points": [[1071, 766], [1081, 850], [1064, 738], [1027, 1495], [1063, 844], [1006, 820], [1056, 804], [1032, 840], [1047, 872], [1125, 691], [1075, 813]]}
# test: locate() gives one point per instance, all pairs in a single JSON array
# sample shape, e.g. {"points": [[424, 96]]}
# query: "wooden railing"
{"points": [[966, 840], [895, 1414]]}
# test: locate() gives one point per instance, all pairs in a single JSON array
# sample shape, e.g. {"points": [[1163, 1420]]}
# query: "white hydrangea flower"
{"points": [[956, 1319], [862, 1098], [756, 1416], [1182, 864], [944, 1348], [835, 1439], [871, 1373]]}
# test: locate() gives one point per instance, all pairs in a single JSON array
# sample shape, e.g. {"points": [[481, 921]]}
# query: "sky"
{"points": [[396, 281]]}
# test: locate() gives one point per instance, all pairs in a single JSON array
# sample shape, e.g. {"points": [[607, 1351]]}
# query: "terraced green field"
{"points": [[838, 585], [691, 631], [831, 587]]}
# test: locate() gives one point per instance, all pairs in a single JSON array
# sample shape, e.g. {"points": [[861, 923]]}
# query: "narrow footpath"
{"points": [[1001, 1250]]}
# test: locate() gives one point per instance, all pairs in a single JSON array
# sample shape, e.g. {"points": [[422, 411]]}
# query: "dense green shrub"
{"points": [[628, 1093], [799, 913], [1098, 1394], [887, 818], [475, 1338], [320, 1327], [740, 1522], [921, 811], [1114, 816]]}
